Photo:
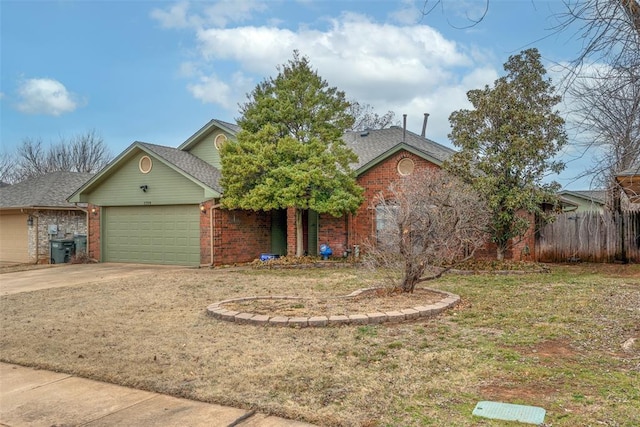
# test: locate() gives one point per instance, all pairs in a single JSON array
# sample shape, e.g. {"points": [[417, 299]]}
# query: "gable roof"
{"points": [[46, 191], [372, 146], [190, 166], [187, 163], [589, 196], [230, 128]]}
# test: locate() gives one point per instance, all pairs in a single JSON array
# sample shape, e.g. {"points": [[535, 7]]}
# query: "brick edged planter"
{"points": [[218, 311]]}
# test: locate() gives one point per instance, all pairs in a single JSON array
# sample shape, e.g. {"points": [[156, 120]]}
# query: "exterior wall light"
{"points": [[94, 211], [30, 221], [203, 209]]}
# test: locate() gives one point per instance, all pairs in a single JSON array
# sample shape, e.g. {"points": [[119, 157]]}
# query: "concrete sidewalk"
{"points": [[31, 397]]}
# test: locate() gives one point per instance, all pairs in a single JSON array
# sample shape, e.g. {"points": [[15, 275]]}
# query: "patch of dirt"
{"points": [[517, 392], [550, 353], [554, 348], [367, 302]]}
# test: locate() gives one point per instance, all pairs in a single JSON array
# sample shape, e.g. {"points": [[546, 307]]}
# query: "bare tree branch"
{"points": [[428, 221], [83, 153]]}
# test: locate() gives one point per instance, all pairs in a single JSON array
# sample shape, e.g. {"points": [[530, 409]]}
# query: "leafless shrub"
{"points": [[427, 222]]}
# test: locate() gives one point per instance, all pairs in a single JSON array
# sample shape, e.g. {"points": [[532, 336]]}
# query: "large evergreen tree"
{"points": [[508, 143], [290, 151]]}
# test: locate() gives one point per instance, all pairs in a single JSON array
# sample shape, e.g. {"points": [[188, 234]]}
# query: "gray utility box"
{"points": [[61, 250], [80, 241]]}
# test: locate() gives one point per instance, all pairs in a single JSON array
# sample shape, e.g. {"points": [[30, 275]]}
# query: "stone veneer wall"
{"points": [[69, 222]]}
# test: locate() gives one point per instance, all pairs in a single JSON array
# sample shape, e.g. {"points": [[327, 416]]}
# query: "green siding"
{"points": [[584, 205], [206, 150], [165, 186], [152, 234]]}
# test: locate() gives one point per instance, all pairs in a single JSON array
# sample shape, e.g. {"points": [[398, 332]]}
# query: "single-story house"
{"points": [[583, 200], [157, 204], [36, 210]]}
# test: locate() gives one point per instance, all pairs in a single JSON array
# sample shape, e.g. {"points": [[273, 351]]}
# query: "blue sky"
{"points": [[157, 71]]}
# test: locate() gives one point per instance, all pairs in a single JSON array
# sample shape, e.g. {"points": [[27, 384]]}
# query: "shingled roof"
{"points": [[595, 196], [369, 145], [632, 171], [46, 191], [187, 163]]}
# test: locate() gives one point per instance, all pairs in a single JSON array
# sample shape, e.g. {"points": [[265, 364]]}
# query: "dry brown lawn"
{"points": [[567, 341]]}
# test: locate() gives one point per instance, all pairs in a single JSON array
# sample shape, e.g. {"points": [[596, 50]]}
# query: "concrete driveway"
{"points": [[72, 274]]}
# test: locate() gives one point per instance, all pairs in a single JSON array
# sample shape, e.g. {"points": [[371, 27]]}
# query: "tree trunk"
{"points": [[412, 275], [500, 253], [621, 255], [299, 234]]}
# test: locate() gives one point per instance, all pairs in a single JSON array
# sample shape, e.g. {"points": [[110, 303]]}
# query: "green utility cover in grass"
{"points": [[510, 412]]}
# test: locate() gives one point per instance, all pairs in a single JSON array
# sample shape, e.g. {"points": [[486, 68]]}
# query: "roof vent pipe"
{"points": [[424, 124], [404, 127]]}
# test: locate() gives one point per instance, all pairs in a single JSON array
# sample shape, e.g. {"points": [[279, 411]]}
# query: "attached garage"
{"points": [[152, 234], [14, 242]]}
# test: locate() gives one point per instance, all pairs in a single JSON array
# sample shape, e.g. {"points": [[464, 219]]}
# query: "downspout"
{"points": [[37, 225], [212, 217]]}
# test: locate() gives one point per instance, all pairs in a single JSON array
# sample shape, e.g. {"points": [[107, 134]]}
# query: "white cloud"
{"points": [[406, 68], [225, 11], [218, 14], [176, 16], [45, 96], [212, 90]]}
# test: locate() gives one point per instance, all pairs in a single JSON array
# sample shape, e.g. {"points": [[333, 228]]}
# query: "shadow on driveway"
{"points": [[72, 274]]}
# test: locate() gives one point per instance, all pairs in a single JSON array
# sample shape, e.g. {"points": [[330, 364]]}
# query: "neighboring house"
{"points": [[156, 204], [583, 200], [36, 210], [629, 180]]}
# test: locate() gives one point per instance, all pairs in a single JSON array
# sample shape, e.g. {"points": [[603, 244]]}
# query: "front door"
{"points": [[279, 232], [310, 223]]}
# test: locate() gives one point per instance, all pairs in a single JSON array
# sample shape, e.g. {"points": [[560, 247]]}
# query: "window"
{"points": [[219, 141], [145, 164], [385, 223], [405, 166]]}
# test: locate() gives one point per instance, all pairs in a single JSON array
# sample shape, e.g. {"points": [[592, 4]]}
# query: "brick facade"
{"points": [[375, 181], [93, 232], [238, 236]]}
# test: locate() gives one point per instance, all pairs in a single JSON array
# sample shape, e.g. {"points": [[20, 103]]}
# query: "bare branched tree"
{"points": [[366, 118], [609, 31], [607, 107], [7, 168], [427, 222], [86, 152]]}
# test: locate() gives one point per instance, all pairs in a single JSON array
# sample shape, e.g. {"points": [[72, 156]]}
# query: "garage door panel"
{"points": [[152, 234], [14, 238]]}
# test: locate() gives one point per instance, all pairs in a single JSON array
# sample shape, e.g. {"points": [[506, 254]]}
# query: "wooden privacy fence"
{"points": [[590, 237]]}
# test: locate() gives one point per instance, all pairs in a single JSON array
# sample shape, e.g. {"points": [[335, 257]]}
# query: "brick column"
{"points": [[291, 231], [94, 242]]}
